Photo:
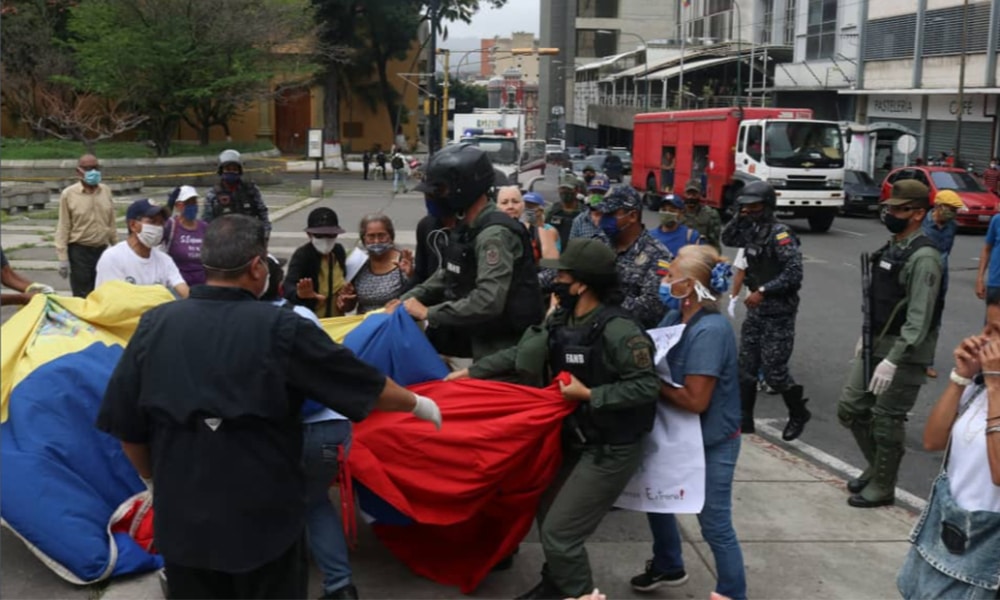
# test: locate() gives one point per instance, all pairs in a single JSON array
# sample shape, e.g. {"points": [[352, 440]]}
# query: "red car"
{"points": [[980, 205]]}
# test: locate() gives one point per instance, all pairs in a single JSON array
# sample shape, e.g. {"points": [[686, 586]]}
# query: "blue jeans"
{"points": [[323, 524], [716, 521], [398, 179]]}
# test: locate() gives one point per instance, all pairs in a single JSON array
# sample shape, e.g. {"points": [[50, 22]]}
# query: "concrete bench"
{"points": [[14, 199]]}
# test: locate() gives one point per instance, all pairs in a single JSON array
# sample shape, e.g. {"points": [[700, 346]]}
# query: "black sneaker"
{"points": [[653, 579]]}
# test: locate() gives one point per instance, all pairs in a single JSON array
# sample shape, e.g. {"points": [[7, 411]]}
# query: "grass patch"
{"points": [[48, 214], [28, 149]]}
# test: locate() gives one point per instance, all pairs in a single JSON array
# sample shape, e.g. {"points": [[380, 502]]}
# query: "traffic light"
{"points": [[530, 51], [548, 51]]}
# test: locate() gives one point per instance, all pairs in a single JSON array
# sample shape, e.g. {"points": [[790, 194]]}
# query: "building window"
{"points": [[789, 34], [765, 32], [596, 43], [821, 33], [717, 6], [597, 9]]}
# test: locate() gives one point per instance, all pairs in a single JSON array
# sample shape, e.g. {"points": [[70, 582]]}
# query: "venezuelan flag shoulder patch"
{"points": [[783, 238]]}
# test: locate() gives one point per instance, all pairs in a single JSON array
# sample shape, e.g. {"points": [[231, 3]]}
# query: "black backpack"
{"points": [[397, 162]]}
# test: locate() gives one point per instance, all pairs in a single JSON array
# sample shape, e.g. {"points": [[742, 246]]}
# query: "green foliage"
{"points": [[179, 58], [467, 97], [24, 149]]}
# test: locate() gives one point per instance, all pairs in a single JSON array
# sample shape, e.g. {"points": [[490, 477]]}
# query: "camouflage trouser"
{"points": [[766, 343]]}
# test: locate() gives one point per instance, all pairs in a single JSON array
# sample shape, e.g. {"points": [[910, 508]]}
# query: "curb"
{"points": [[828, 463]]}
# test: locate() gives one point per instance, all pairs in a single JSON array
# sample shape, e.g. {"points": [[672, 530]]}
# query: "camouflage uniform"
{"points": [[638, 265], [707, 223]]}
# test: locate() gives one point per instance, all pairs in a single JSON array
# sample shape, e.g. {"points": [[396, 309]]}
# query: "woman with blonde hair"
{"points": [[705, 362], [528, 209]]}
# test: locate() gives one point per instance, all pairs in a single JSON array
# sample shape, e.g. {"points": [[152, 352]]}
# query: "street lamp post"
{"points": [[961, 86], [645, 49], [739, 52]]}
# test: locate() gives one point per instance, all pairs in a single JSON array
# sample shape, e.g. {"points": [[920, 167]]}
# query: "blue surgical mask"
{"points": [[92, 177], [232, 178], [609, 225], [667, 297], [434, 209], [190, 212]]}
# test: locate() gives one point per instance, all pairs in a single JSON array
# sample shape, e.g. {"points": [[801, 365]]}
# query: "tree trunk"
{"points": [[387, 95], [331, 106]]}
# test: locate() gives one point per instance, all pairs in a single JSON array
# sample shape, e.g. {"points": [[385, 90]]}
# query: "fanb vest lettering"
{"points": [[523, 307], [580, 351], [888, 295]]}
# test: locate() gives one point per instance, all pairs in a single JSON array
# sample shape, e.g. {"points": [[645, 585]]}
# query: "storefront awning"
{"points": [[688, 67], [918, 91]]}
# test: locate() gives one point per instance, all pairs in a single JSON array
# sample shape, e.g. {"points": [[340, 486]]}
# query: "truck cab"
{"points": [[802, 159], [501, 145]]}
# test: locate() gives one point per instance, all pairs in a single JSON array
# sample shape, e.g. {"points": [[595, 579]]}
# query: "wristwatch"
{"points": [[959, 380]]}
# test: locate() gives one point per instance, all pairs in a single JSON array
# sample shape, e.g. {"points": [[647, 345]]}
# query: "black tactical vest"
{"points": [[888, 296], [239, 202], [562, 220], [763, 264], [580, 351], [523, 307]]}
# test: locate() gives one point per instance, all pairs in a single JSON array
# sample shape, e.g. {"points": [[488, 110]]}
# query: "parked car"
{"points": [[980, 205], [861, 193], [557, 157], [577, 155], [610, 165], [577, 165], [626, 156]]}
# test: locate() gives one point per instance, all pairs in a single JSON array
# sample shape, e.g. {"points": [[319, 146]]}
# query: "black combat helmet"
{"points": [[758, 191], [457, 176]]}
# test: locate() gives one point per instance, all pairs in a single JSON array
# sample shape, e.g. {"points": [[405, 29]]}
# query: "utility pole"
{"points": [[961, 84], [433, 14], [444, 99]]}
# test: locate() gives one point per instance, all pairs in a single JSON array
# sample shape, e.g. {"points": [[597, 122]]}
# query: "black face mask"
{"points": [[588, 177], [567, 300], [893, 223]]}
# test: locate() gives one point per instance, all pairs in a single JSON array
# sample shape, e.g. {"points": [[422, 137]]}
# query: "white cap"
{"points": [[187, 192]]}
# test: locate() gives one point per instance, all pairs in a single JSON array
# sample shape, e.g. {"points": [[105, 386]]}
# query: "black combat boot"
{"points": [[545, 590], [880, 490], [748, 398], [798, 414], [862, 431]]}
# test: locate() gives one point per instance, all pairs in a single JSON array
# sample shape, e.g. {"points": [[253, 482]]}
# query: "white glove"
{"points": [[882, 377], [732, 306], [857, 347], [427, 410], [64, 269], [41, 288]]}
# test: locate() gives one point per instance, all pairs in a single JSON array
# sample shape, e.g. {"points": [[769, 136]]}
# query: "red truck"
{"points": [[726, 148]]}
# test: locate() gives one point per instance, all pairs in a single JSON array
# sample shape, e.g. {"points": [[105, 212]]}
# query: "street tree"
{"points": [[175, 60], [468, 97]]}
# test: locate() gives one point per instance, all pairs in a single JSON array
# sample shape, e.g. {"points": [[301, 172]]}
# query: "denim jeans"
{"points": [[323, 524], [716, 521], [398, 180]]}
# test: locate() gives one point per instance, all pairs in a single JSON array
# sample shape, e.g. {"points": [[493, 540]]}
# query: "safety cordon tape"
{"points": [[120, 178]]}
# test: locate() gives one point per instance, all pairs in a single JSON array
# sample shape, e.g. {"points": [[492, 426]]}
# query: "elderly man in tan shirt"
{"points": [[86, 226]]}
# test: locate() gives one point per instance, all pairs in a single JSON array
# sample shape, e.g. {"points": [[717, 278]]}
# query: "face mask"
{"points": [[267, 285], [993, 165], [946, 214], [691, 206], [150, 235], [567, 195], [893, 223], [668, 219], [609, 225], [566, 299], [92, 177], [434, 209], [667, 299], [589, 178], [323, 245], [190, 212], [231, 178], [530, 215], [378, 249]]}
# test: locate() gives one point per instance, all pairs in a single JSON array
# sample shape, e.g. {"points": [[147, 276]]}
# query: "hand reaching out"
{"points": [[305, 290]]}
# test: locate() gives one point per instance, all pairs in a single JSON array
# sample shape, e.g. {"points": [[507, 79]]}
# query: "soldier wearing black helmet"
{"points": [[486, 292], [234, 194], [774, 273]]}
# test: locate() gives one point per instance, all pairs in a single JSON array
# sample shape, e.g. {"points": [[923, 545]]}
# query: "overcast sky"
{"points": [[516, 15]]}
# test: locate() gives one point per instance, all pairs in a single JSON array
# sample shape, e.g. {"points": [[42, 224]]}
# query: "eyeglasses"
{"points": [[376, 237], [899, 209]]}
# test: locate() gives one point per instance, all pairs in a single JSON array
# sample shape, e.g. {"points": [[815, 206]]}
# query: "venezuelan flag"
{"points": [[65, 483]]}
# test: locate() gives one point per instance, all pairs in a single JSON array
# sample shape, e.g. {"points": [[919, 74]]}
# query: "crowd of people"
{"points": [[529, 293]]}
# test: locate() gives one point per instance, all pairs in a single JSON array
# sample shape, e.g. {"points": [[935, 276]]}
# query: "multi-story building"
{"points": [[497, 59], [586, 31], [923, 64]]}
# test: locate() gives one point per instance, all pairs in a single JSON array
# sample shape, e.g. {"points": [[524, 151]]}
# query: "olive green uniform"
{"points": [[707, 223], [878, 422], [496, 250], [592, 476]]}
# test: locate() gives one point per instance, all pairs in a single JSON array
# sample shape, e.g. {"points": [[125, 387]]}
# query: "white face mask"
{"points": [[323, 245], [267, 284], [150, 235]]}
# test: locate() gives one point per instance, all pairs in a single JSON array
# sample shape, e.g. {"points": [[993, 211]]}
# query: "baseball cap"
{"points": [[187, 192], [672, 200], [569, 181], [621, 196], [693, 186], [589, 168], [599, 183], [584, 255], [145, 208], [323, 221], [909, 191], [534, 198], [949, 198]]}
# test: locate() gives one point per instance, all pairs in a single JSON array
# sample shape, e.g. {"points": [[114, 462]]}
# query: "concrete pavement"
{"points": [[799, 537]]}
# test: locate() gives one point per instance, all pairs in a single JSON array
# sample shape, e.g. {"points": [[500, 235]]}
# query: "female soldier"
{"points": [[609, 360]]}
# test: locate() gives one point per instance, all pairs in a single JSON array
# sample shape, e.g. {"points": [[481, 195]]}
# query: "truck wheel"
{"points": [[821, 223]]}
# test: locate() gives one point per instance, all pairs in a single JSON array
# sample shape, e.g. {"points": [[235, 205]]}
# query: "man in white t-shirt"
{"points": [[137, 259]]}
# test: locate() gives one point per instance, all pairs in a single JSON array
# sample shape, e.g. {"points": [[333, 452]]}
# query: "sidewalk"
{"points": [[800, 540]]}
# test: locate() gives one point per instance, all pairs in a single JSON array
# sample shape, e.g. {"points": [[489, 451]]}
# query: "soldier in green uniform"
{"points": [[906, 275], [703, 219], [561, 214], [610, 360], [486, 292]]}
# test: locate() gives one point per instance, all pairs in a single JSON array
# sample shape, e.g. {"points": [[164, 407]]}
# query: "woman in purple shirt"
{"points": [[184, 233]]}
